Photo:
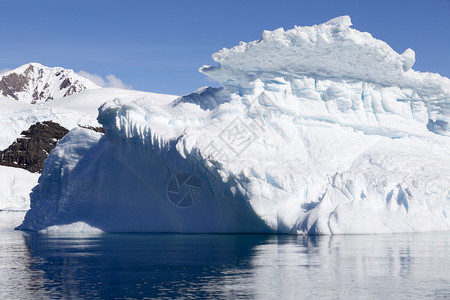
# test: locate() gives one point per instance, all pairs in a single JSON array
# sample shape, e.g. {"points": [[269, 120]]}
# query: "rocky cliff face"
{"points": [[30, 151], [34, 83]]}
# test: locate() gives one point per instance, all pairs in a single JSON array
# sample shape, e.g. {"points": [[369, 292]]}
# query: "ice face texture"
{"points": [[332, 50], [317, 130]]}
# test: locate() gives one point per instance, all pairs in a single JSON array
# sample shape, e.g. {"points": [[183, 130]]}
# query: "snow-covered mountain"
{"points": [[35, 83], [317, 130]]}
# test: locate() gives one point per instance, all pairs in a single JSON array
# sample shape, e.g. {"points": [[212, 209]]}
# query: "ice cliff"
{"points": [[317, 130]]}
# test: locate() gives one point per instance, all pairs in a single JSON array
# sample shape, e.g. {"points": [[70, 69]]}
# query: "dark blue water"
{"points": [[108, 266]]}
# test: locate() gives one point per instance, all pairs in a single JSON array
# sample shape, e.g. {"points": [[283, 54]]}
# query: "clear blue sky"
{"points": [[158, 46]]}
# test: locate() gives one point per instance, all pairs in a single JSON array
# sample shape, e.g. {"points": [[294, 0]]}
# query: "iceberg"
{"points": [[315, 130]]}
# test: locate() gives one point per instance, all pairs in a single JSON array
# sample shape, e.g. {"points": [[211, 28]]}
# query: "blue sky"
{"points": [[158, 46]]}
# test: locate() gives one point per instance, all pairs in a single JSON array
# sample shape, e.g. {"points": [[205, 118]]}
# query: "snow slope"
{"points": [[15, 188], [317, 130]]}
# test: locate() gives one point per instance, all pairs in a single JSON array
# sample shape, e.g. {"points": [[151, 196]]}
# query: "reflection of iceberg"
{"points": [[352, 266], [167, 266], [317, 130]]}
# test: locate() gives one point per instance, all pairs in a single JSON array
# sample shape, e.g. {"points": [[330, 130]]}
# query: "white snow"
{"points": [[317, 130], [15, 188]]}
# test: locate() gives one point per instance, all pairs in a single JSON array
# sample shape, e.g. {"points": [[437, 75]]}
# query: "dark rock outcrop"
{"points": [[96, 129], [30, 151], [13, 83]]}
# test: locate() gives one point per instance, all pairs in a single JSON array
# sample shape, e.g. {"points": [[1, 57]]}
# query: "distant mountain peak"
{"points": [[35, 83]]}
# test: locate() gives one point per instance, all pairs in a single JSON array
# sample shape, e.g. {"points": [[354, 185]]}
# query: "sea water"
{"points": [[167, 266]]}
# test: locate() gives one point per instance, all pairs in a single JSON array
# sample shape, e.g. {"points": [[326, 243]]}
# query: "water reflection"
{"points": [[390, 266], [133, 265], [225, 266], [238, 266], [17, 281]]}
